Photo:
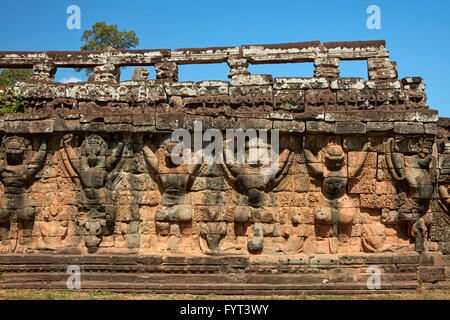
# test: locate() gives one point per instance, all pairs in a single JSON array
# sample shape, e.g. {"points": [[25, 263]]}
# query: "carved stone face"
{"points": [[256, 156], [93, 235], [14, 152], [93, 153], [93, 148], [334, 184], [334, 158], [144, 74], [168, 155], [14, 157]]}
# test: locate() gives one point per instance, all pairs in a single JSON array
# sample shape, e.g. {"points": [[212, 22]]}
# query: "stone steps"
{"points": [[156, 278], [214, 288], [222, 275]]}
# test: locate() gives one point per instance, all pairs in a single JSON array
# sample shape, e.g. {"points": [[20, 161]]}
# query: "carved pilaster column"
{"points": [[44, 71], [166, 70], [415, 95], [237, 67], [381, 69], [105, 73], [326, 67], [109, 71]]}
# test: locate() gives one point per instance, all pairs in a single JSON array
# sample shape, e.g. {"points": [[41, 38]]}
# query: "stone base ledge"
{"points": [[341, 123], [247, 263], [229, 274]]}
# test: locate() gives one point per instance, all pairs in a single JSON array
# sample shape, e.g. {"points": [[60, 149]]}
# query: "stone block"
{"points": [[408, 128], [300, 83], [251, 80], [431, 274], [380, 126], [289, 126], [320, 127], [347, 84], [350, 127]]}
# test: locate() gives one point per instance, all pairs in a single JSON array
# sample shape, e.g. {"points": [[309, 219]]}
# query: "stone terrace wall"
{"points": [[87, 167]]}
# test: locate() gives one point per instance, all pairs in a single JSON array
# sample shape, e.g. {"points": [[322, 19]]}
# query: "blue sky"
{"points": [[416, 32]]}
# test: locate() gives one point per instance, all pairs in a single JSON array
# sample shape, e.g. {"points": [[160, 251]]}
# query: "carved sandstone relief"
{"points": [[92, 166], [416, 166], [19, 165], [175, 180], [334, 212], [255, 179], [362, 164]]}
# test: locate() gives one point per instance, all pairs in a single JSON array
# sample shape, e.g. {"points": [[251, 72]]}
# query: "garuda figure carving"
{"points": [[255, 179], [441, 218], [444, 178], [174, 180], [17, 170], [92, 167], [140, 73], [334, 170], [416, 165]]}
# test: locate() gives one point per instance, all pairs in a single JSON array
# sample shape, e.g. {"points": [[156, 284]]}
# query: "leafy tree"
{"points": [[8, 76], [102, 36], [10, 102]]}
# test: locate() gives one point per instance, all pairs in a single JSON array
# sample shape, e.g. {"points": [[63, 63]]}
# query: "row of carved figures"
{"points": [[94, 162]]}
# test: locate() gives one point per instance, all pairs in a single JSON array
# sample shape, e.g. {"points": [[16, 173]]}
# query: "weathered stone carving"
{"points": [[237, 67], [18, 167], [140, 73], [326, 67], [105, 73], [166, 70], [362, 176], [440, 228], [364, 179], [255, 180], [334, 171], [97, 212], [444, 178], [418, 168], [44, 71], [175, 181], [373, 239], [213, 232]]}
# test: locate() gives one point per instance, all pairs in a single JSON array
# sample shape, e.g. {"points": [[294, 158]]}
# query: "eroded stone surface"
{"points": [[362, 168]]}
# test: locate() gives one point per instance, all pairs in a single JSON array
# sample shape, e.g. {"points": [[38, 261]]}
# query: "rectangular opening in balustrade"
{"points": [[201, 72], [126, 73], [69, 75], [8, 76], [353, 69], [304, 69]]}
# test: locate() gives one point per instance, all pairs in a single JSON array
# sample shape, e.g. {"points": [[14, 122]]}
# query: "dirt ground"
{"points": [[25, 294]]}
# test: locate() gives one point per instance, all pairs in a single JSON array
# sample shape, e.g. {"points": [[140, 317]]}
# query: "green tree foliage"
{"points": [[8, 76], [102, 36], [10, 102]]}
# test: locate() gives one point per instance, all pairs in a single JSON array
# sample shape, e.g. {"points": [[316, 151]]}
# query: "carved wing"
{"points": [[395, 164], [38, 161], [70, 157], [285, 158]]}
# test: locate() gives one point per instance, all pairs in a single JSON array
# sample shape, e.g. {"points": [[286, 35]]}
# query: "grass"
{"points": [[40, 294]]}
